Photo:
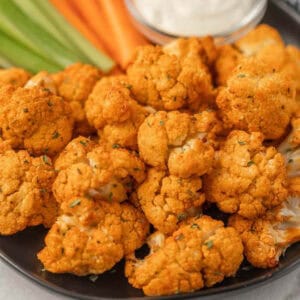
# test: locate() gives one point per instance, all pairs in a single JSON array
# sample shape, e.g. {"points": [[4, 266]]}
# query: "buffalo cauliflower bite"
{"points": [[166, 138], [200, 253], [74, 84], [257, 98], [167, 200], [169, 82], [25, 194], [266, 239], [35, 119], [100, 173], [14, 76], [90, 237], [111, 109], [247, 178]]}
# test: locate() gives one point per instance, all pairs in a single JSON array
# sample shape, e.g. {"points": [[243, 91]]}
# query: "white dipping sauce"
{"points": [[193, 17]]}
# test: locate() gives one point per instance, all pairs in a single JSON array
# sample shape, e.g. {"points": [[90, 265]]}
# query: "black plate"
{"points": [[20, 250]]}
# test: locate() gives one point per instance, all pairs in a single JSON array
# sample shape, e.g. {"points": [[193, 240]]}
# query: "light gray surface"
{"points": [[14, 286]]}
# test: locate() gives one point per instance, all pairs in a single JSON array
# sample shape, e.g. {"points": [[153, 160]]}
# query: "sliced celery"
{"points": [[94, 55], [4, 63], [14, 22], [23, 57], [31, 10]]}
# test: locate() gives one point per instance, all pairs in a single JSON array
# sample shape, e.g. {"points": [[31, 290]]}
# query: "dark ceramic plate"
{"points": [[20, 250]]}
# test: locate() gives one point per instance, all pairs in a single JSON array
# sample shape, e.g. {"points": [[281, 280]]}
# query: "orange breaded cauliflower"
{"points": [[179, 141], [167, 200], [100, 173], [257, 98], [266, 239], [247, 178], [172, 77], [42, 79], [200, 253], [25, 190], [90, 237], [14, 76], [35, 119], [228, 57], [111, 109], [74, 84]]}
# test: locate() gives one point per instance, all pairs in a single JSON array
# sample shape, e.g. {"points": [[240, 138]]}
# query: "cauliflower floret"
{"points": [[169, 82], [14, 76], [74, 84], [166, 138], [265, 43], [90, 237], [25, 191], [228, 58], [200, 253], [35, 119], [266, 239], [167, 200], [257, 98], [100, 173], [247, 178], [111, 109]]}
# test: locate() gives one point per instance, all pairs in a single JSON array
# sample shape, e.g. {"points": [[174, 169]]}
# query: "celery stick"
{"points": [[98, 58], [31, 10], [33, 36], [4, 63], [21, 56]]}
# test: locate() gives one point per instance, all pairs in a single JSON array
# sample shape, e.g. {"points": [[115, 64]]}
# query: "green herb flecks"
{"points": [[46, 160], [242, 143], [250, 163], [93, 277], [209, 244], [55, 135], [75, 203]]}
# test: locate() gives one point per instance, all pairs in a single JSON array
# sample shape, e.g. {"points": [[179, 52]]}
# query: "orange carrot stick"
{"points": [[98, 22], [126, 35], [64, 7]]}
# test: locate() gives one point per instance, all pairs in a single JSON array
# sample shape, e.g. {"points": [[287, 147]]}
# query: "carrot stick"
{"points": [[64, 7], [124, 32], [97, 20]]}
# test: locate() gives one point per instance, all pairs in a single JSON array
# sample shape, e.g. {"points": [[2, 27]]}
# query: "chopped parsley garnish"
{"points": [[93, 277], [26, 161], [82, 143], [115, 146], [161, 123], [46, 160], [179, 237], [242, 143], [136, 169], [129, 86], [241, 75], [75, 203], [25, 110], [195, 226], [181, 216], [250, 163], [209, 244], [50, 103], [110, 196], [55, 135], [43, 191]]}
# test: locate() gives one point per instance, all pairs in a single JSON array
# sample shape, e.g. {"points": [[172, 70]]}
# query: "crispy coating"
{"points": [[35, 119], [44, 80], [228, 57], [111, 109], [266, 239], [74, 84], [90, 237], [257, 98], [247, 178], [166, 138], [200, 253], [100, 173], [167, 200], [167, 81], [16, 77], [265, 43], [25, 195]]}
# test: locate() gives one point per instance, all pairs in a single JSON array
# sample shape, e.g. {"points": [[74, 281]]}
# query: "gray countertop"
{"points": [[14, 286]]}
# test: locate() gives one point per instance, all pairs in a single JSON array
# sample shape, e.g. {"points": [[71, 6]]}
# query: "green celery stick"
{"points": [[23, 57], [33, 36], [4, 63], [98, 58], [31, 10]]}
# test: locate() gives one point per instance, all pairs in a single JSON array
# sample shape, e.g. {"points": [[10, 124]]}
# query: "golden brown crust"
{"points": [[14, 76]]}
